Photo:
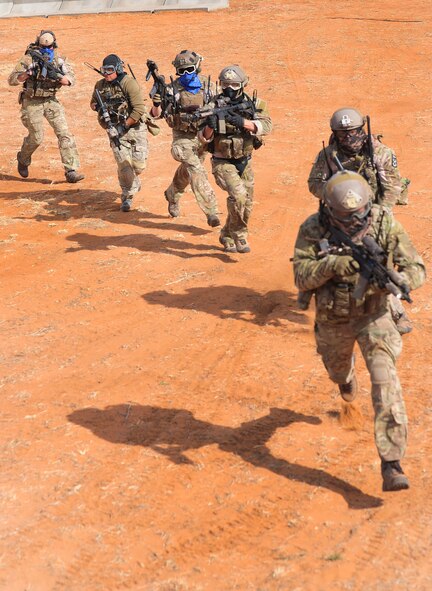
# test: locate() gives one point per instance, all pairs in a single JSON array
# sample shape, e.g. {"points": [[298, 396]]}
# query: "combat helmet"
{"points": [[347, 196], [346, 119], [112, 62], [233, 74], [46, 39], [186, 60]]}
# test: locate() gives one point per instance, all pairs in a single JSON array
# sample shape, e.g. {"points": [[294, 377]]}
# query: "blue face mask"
{"points": [[47, 51], [190, 82]]}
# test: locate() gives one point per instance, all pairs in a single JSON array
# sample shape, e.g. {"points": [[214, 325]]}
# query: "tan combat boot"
{"points": [[349, 391], [173, 208], [72, 176], [393, 476], [213, 220], [22, 168], [242, 245]]}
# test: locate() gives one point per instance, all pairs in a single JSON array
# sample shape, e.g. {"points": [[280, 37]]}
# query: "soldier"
{"points": [[365, 154], [342, 319], [362, 153], [188, 92], [122, 112], [43, 72], [232, 147]]}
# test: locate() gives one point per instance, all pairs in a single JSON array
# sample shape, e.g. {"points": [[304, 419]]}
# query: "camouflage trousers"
{"points": [[240, 196], [33, 112], [131, 159], [381, 345], [191, 153]]}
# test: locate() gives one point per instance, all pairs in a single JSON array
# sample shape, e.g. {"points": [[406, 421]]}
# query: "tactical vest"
{"points": [[361, 164], [235, 143], [116, 102], [35, 87], [186, 103]]}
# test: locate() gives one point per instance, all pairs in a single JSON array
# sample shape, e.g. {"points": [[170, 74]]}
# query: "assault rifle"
{"points": [[44, 68], [223, 107], [371, 156], [112, 131], [159, 86], [370, 258]]}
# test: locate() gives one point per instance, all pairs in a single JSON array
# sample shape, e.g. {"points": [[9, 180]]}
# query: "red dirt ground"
{"points": [[166, 422]]}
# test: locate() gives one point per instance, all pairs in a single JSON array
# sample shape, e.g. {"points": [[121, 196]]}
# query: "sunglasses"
{"points": [[233, 85], [186, 70], [107, 70]]}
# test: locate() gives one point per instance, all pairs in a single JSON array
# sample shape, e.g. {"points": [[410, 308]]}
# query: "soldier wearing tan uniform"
{"points": [[377, 163], [344, 316], [128, 118], [187, 93], [42, 75], [232, 146]]}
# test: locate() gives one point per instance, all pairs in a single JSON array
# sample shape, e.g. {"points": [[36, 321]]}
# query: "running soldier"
{"points": [[42, 72], [187, 93], [324, 263], [232, 132], [118, 100]]}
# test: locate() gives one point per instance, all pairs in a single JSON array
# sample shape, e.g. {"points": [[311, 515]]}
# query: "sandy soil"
{"points": [[166, 422]]}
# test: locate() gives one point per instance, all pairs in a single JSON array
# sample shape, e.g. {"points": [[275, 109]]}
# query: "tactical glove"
{"points": [[212, 122], [121, 130], [345, 266], [236, 120]]}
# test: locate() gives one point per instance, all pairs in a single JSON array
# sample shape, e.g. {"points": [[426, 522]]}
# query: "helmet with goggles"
{"points": [[187, 62], [348, 197], [233, 77], [112, 64], [346, 119]]}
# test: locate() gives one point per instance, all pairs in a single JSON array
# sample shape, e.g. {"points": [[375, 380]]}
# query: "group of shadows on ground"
{"points": [[104, 204], [172, 432], [226, 301]]}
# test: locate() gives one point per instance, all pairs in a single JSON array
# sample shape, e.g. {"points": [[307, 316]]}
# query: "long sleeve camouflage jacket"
{"points": [[334, 300], [387, 189]]}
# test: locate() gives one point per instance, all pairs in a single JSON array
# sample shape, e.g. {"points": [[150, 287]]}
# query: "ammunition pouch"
{"points": [[335, 303], [233, 147]]}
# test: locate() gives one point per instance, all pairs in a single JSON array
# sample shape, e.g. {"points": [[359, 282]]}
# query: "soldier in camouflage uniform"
{"points": [[38, 100], [129, 118], [350, 144], [232, 152], [342, 320], [188, 92]]}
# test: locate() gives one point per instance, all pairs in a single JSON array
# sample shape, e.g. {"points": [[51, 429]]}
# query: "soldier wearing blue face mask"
{"points": [[42, 72], [187, 93]]}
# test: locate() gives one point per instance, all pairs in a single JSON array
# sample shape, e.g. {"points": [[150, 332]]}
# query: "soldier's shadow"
{"points": [[30, 179], [172, 432], [82, 204], [147, 243], [231, 301]]}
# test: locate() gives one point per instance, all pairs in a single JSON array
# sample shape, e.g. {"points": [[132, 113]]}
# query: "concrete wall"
{"points": [[11, 8]]}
